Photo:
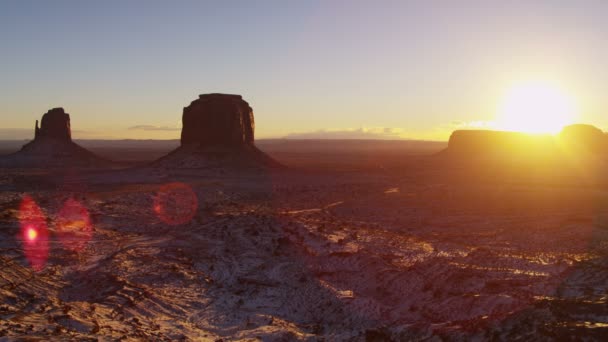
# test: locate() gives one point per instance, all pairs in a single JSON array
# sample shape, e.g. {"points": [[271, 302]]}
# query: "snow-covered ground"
{"points": [[288, 255]]}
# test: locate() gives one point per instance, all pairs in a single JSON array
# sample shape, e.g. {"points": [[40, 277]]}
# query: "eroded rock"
{"points": [[55, 124], [52, 146], [218, 120], [218, 133]]}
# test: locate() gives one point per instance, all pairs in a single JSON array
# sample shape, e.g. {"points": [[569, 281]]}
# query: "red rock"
{"points": [[55, 124], [218, 133], [218, 120], [53, 147]]}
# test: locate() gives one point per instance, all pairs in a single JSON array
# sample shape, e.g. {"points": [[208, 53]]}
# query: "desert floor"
{"points": [[417, 249]]}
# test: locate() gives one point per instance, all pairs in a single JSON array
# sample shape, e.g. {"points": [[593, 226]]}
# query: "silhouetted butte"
{"points": [[53, 146], [217, 133], [55, 124], [218, 120]]}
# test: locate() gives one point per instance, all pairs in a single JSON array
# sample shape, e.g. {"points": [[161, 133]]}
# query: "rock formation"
{"points": [[217, 133], [488, 144], [218, 120], [52, 146], [584, 137], [574, 141], [55, 124]]}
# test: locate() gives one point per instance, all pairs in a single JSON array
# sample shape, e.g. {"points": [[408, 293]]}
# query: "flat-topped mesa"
{"points": [[55, 124], [217, 136], [472, 144], [218, 120], [584, 137], [577, 140]]}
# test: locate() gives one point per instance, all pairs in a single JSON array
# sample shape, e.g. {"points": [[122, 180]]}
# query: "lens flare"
{"points": [[34, 233], [175, 203], [74, 225]]}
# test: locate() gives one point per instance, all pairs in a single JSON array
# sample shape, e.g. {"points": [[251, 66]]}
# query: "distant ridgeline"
{"points": [[576, 141]]}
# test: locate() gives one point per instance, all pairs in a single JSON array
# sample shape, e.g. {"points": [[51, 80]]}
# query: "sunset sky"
{"points": [[377, 69]]}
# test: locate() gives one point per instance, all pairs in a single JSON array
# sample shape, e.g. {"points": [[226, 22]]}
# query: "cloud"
{"points": [[153, 128], [28, 134], [476, 124], [386, 133]]}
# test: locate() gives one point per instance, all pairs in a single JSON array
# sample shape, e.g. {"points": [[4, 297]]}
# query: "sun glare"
{"points": [[32, 234], [536, 107]]}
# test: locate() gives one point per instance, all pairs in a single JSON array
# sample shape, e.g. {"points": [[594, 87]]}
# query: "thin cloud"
{"points": [[475, 124], [153, 128], [16, 133], [381, 133], [28, 134]]}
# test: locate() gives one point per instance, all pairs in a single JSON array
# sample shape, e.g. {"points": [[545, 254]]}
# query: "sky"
{"points": [[377, 69]]}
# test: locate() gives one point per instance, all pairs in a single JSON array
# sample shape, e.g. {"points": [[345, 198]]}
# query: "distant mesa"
{"points": [[488, 144], [584, 137], [217, 132], [505, 145], [52, 146]]}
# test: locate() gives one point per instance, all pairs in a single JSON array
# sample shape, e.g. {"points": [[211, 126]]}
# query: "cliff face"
{"points": [[218, 120]]}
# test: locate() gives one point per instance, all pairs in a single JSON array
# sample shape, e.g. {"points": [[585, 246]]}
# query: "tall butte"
{"points": [[52, 146], [218, 120], [218, 132], [55, 124]]}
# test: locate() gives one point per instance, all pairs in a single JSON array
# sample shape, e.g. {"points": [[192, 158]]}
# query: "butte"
{"points": [[218, 133], [52, 146]]}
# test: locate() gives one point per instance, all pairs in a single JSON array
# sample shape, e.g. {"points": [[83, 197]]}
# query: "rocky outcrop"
{"points": [[498, 145], [574, 141], [218, 120], [52, 146], [55, 124], [584, 137], [217, 133]]}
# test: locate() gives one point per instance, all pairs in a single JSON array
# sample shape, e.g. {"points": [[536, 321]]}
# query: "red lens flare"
{"points": [[34, 233], [175, 203], [74, 225]]}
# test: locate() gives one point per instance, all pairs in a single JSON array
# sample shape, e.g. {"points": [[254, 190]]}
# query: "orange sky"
{"points": [[394, 69]]}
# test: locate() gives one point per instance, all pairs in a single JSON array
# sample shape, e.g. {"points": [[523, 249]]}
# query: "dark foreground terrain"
{"points": [[348, 245]]}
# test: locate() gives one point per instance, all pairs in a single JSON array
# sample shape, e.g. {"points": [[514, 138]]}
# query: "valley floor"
{"points": [[293, 255]]}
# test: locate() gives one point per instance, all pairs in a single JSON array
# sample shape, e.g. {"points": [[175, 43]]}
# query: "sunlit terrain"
{"points": [[401, 248], [349, 171]]}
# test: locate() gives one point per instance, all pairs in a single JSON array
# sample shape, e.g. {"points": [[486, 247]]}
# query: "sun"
{"points": [[536, 107]]}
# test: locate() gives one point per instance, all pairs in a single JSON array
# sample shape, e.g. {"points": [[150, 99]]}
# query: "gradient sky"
{"points": [[409, 69]]}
